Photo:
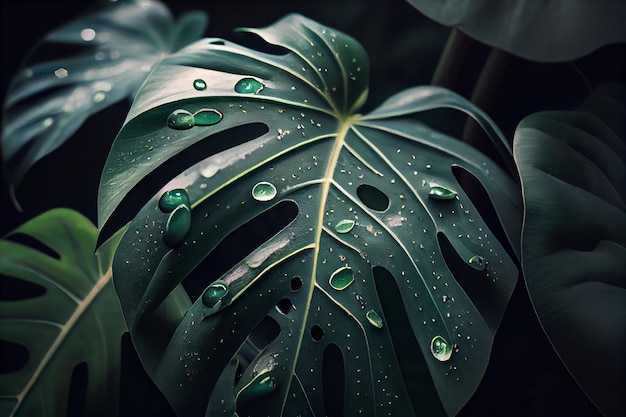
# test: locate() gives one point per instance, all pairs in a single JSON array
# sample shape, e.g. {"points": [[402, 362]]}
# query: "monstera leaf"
{"points": [[348, 305], [75, 320], [109, 53], [547, 31], [573, 170]]}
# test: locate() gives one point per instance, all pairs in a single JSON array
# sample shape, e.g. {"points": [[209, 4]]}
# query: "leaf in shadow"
{"points": [[75, 323], [573, 171], [558, 30], [309, 233], [89, 64]]}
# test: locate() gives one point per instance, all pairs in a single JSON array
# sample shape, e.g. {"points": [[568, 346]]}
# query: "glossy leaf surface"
{"points": [[573, 170], [349, 295], [546, 31], [75, 320], [99, 59]]}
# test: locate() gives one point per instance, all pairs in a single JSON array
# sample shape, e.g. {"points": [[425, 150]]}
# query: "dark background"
{"points": [[525, 376]]}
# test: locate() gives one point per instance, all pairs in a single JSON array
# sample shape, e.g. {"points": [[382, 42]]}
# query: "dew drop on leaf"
{"points": [[177, 226], [214, 293], [440, 349], [207, 117], [477, 262], [374, 319], [438, 192], [171, 199], [180, 119], [341, 278], [264, 191], [344, 226], [199, 84], [248, 86]]}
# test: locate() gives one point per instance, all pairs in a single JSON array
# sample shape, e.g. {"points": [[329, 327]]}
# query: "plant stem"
{"points": [[452, 59]]}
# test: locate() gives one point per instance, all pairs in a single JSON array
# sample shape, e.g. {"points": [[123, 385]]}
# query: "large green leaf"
{"points": [[106, 55], [547, 31], [352, 292], [573, 170], [77, 319]]}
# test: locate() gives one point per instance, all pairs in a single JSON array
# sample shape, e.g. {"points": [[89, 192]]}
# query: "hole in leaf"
{"points": [[474, 283], [139, 396], [264, 333], [284, 306], [333, 381], [15, 289], [419, 383], [238, 244], [31, 242], [372, 197], [155, 180], [13, 356], [480, 199], [317, 333], [77, 394], [296, 284]]}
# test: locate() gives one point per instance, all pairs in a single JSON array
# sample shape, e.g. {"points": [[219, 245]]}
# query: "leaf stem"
{"points": [[452, 59]]}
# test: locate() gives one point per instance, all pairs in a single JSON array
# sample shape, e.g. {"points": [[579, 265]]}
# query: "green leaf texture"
{"points": [[348, 304], [99, 59], [573, 170], [77, 319]]}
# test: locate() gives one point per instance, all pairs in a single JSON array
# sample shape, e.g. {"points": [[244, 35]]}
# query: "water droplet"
{"points": [[214, 293], [88, 34], [172, 199], [262, 386], [199, 84], [344, 226], [477, 262], [177, 226], [180, 119], [374, 319], [438, 192], [61, 73], [248, 86], [341, 278], [207, 117], [440, 349], [264, 191]]}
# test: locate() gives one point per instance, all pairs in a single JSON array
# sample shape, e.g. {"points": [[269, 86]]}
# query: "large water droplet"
{"points": [[344, 226], [248, 86], [438, 192], [177, 226], [262, 386], [374, 319], [264, 191], [440, 349], [199, 84], [214, 293], [172, 199], [207, 117], [180, 119], [477, 262], [341, 278]]}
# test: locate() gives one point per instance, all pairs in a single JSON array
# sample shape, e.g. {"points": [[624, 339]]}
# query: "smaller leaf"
{"points": [[77, 320]]}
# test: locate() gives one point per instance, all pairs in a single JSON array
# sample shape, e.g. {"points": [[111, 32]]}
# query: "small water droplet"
{"points": [[341, 278], [177, 226], [477, 262], [180, 119], [374, 319], [438, 192], [214, 293], [344, 226], [199, 84], [88, 34], [440, 349], [172, 199], [248, 86], [264, 191], [61, 73], [207, 117]]}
